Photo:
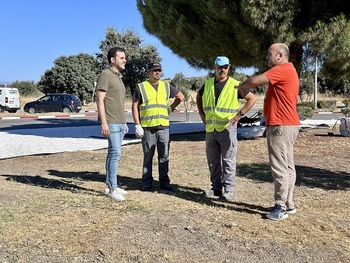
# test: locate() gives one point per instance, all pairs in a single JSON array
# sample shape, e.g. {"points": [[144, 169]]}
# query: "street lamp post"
{"points": [[315, 90]]}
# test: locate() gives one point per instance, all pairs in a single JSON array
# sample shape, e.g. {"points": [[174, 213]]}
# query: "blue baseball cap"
{"points": [[221, 61]]}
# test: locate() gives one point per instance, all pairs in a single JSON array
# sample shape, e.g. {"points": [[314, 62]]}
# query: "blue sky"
{"points": [[36, 32]]}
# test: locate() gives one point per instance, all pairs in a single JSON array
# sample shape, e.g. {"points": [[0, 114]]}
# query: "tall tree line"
{"points": [[78, 73]]}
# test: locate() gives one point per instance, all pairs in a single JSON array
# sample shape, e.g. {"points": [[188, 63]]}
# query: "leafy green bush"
{"points": [[305, 112], [346, 111], [26, 88], [326, 104], [310, 104], [346, 102]]}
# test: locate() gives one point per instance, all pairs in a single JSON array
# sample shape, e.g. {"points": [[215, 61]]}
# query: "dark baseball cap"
{"points": [[154, 66]]}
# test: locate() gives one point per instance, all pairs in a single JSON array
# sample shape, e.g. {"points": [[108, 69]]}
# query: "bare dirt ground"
{"points": [[53, 208]]}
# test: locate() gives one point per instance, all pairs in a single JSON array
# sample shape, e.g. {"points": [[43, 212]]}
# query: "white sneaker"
{"points": [[291, 211], [116, 196], [119, 190]]}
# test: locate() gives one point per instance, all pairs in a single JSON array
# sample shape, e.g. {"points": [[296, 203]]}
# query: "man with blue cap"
{"points": [[218, 106]]}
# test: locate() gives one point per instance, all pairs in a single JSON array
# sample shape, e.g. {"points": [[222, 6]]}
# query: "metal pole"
{"points": [[93, 91], [315, 90]]}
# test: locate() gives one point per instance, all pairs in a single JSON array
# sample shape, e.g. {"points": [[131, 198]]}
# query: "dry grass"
{"points": [[52, 208], [25, 99], [337, 98]]}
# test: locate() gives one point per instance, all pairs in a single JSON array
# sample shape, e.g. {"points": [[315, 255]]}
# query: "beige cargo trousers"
{"points": [[280, 143]]}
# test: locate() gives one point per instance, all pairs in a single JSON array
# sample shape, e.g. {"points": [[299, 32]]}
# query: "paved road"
{"points": [[60, 120], [90, 119]]}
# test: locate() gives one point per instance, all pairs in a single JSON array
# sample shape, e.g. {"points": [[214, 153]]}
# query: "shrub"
{"points": [[305, 112], [26, 88], [346, 111], [310, 104], [346, 102], [326, 104]]}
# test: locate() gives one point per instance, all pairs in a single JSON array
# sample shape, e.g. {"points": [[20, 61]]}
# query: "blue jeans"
{"points": [[115, 139], [152, 139]]}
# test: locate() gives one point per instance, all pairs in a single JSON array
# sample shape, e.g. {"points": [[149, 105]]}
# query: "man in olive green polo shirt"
{"points": [[111, 113]]}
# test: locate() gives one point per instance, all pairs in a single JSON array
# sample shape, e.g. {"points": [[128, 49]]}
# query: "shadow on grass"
{"points": [[70, 181], [197, 195], [193, 136], [198, 136], [78, 176], [306, 176], [193, 194], [38, 181]]}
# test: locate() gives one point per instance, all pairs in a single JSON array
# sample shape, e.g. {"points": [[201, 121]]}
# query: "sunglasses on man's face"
{"points": [[224, 66], [157, 70]]}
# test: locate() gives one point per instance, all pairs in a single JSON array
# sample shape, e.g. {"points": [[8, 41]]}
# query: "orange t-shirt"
{"points": [[280, 107]]}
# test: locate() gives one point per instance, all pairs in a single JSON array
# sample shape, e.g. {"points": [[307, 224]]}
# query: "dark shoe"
{"points": [[212, 193], [289, 211], [167, 187], [277, 213], [147, 188]]}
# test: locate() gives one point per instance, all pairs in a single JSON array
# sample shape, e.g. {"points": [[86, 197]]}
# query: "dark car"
{"points": [[57, 102]]}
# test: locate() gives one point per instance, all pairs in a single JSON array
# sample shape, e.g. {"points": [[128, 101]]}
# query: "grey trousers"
{"points": [[152, 139], [280, 143], [221, 150]]}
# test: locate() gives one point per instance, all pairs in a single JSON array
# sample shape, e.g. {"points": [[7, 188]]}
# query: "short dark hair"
{"points": [[113, 52]]}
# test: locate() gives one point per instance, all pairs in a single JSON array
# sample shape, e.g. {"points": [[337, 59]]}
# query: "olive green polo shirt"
{"points": [[111, 82]]}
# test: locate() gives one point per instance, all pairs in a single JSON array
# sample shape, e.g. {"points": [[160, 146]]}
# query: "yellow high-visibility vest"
{"points": [[154, 107], [218, 116]]}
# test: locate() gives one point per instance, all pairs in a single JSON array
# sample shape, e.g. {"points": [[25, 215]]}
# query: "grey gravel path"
{"points": [[22, 142]]}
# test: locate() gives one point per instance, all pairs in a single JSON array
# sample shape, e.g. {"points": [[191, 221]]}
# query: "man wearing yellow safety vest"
{"points": [[218, 106], [150, 111]]}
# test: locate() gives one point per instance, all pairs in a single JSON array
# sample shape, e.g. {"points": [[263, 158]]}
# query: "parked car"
{"points": [[57, 102]]}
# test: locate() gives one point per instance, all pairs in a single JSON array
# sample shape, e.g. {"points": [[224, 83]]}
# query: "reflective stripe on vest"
{"points": [[154, 107], [218, 116]]}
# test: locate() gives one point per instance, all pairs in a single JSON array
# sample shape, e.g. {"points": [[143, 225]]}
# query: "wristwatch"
{"points": [[241, 113]]}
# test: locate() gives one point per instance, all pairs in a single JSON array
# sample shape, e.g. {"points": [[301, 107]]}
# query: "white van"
{"points": [[9, 99]]}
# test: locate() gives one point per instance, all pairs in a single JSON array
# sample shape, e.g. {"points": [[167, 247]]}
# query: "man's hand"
{"points": [[105, 130], [235, 119], [138, 131]]}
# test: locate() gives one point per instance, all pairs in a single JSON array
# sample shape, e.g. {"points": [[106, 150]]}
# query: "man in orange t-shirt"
{"points": [[282, 124]]}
